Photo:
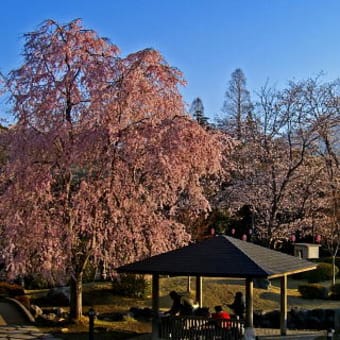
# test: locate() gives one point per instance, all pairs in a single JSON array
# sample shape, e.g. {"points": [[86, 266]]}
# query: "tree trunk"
{"points": [[76, 298], [333, 269]]}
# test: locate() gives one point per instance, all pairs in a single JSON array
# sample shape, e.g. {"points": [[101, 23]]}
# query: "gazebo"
{"points": [[222, 256]]}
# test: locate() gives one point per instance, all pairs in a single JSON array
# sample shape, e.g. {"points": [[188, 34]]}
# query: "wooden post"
{"points": [[155, 307], [199, 296], [92, 315], [283, 309], [249, 302]]}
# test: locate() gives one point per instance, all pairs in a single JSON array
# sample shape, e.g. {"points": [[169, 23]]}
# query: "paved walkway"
{"points": [[268, 334], [23, 332], [14, 325]]}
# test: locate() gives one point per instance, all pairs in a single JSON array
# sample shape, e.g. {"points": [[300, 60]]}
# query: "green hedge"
{"points": [[131, 286], [329, 259], [36, 281], [323, 272], [313, 291]]}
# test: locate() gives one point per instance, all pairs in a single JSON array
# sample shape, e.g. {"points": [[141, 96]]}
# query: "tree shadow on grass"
{"points": [[269, 296]]}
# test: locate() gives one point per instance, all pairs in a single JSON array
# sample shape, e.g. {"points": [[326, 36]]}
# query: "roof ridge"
{"points": [[263, 268]]}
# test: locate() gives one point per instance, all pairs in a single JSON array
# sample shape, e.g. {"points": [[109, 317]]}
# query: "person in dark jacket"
{"points": [[176, 307], [181, 305], [238, 306]]}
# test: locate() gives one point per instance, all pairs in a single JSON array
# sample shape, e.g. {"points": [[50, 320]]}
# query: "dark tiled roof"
{"points": [[220, 256]]}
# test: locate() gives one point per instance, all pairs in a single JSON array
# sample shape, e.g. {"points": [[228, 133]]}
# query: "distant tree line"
{"points": [[286, 181]]}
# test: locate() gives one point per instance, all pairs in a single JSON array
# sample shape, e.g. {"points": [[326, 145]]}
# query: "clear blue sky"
{"points": [[275, 40]]}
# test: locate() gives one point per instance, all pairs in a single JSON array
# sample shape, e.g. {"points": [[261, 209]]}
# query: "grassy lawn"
{"points": [[216, 291]]}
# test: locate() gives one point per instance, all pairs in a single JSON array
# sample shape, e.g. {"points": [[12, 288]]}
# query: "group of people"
{"points": [[180, 305], [183, 306]]}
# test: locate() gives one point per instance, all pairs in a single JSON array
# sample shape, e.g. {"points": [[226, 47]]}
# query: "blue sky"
{"points": [[271, 40]]}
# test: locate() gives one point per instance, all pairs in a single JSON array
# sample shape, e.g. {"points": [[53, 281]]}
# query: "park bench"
{"points": [[198, 327]]}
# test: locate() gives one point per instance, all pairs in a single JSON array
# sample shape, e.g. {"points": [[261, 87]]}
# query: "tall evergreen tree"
{"points": [[237, 106], [197, 111]]}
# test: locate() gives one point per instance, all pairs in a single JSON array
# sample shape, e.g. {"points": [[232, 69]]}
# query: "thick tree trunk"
{"points": [[76, 302]]}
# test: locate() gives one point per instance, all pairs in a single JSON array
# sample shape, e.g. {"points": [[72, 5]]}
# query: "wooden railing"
{"points": [[197, 327]]}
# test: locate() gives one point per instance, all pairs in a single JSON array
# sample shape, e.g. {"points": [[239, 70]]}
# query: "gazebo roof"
{"points": [[221, 256]]}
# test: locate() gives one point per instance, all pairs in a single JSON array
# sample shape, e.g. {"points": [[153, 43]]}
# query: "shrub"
{"points": [[52, 298], [329, 260], [11, 289], [131, 286], [313, 291], [335, 292], [36, 281], [323, 272]]}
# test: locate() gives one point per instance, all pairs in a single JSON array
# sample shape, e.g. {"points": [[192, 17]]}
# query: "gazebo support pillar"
{"points": [[199, 295], [249, 302], [283, 307], [155, 307], [188, 284]]}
